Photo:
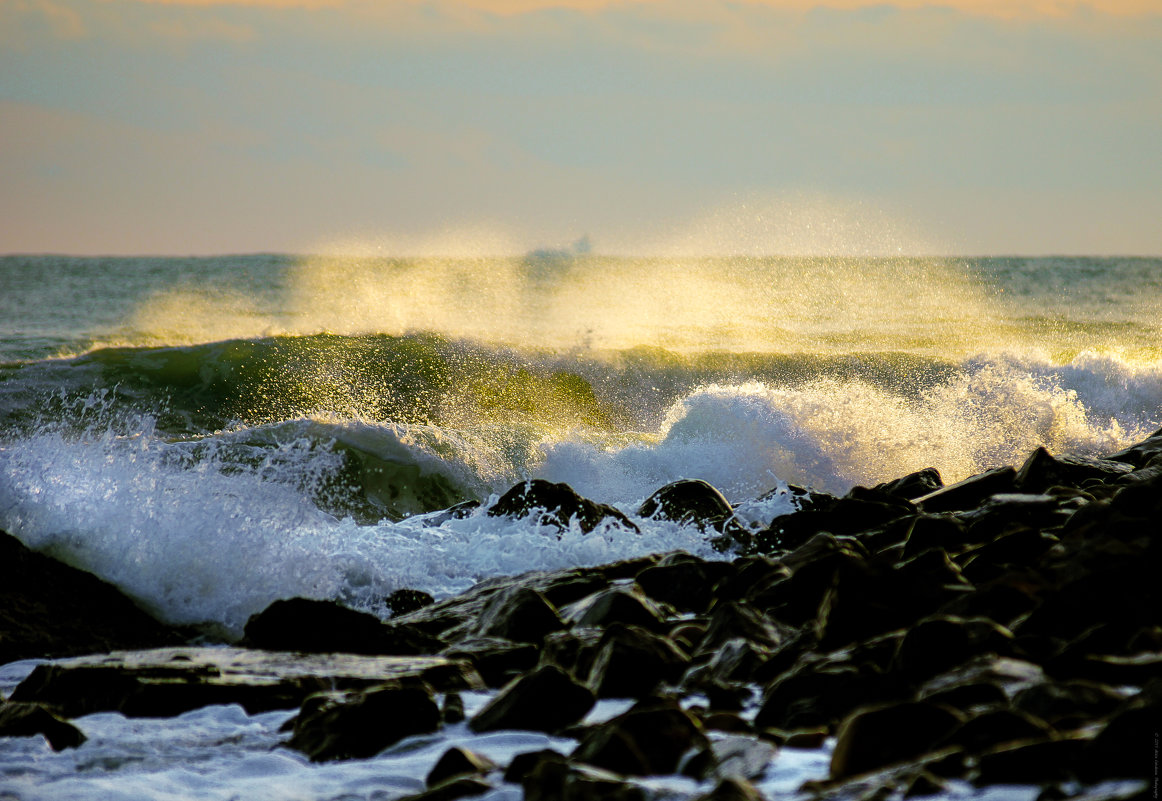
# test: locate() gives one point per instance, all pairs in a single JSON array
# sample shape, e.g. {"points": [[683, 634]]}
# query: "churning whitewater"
{"points": [[214, 434]]}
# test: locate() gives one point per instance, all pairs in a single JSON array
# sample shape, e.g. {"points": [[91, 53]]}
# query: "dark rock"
{"points": [[732, 621], [29, 720], [1042, 470], [648, 740], [496, 660], [170, 681], [309, 626], [453, 709], [1134, 669], [683, 581], [1140, 453], [1005, 511], [970, 492], [997, 726], [1031, 762], [914, 485], [942, 531], [49, 609], [574, 651], [732, 790], [941, 642], [1005, 674], [1068, 704], [689, 501], [557, 780], [843, 517], [457, 762], [452, 789], [820, 690], [1126, 747], [520, 614], [546, 699], [557, 505], [524, 764], [734, 660], [403, 601], [360, 724], [627, 605], [875, 737], [631, 662]]}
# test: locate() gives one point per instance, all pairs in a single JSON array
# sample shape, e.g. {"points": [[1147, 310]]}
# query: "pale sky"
{"points": [[969, 127]]}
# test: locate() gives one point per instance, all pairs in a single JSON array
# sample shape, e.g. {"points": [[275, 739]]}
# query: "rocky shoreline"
{"points": [[1006, 629]]}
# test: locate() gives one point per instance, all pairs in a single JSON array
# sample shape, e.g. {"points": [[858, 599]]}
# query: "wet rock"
{"points": [[683, 581], [496, 660], [732, 621], [941, 642], [1126, 747], [1140, 454], [732, 790], [403, 601], [458, 762], [842, 517], [627, 605], [29, 720], [689, 501], [996, 726], [520, 614], [631, 662], [649, 739], [453, 709], [992, 675], [546, 699], [1043, 470], [557, 780], [360, 724], [170, 681], [970, 492], [820, 690], [1008, 511], [876, 737], [452, 789], [914, 485], [1031, 762], [49, 609], [557, 505], [574, 651], [735, 660], [1068, 704], [941, 531], [310, 626]]}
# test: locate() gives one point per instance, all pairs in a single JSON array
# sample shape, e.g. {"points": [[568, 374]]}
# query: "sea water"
{"points": [[213, 434]]}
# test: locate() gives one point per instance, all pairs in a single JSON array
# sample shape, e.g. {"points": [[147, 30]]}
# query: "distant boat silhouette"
{"points": [[579, 248]]}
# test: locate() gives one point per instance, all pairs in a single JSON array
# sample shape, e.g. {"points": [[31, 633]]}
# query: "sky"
{"points": [[652, 126]]}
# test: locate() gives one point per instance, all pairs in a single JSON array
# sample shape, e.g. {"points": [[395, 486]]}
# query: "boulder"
{"points": [[556, 505], [618, 604], [49, 609], [557, 780], [690, 501], [547, 699], [631, 662], [970, 492], [497, 660], [518, 613], [734, 757], [403, 601], [459, 762], [29, 720], [650, 739], [913, 485], [875, 737], [169, 681], [1043, 470], [360, 724], [683, 581], [306, 625]]}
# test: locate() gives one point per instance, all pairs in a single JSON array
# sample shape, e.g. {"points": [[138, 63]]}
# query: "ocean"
{"points": [[212, 434]]}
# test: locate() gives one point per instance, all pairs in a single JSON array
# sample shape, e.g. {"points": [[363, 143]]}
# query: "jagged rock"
{"points": [[574, 651], [621, 604], [945, 532], [631, 662], [875, 737], [844, 516], [29, 720], [941, 642], [557, 780], [522, 765], [360, 724], [403, 601], [913, 485], [557, 505], [49, 609], [1068, 704], [1000, 674], [1042, 470], [305, 625], [970, 492], [458, 762], [1126, 747], [453, 709], [452, 789], [649, 739], [1140, 454], [730, 621], [169, 681], [732, 790], [520, 614], [546, 699], [820, 690], [997, 726], [733, 661], [683, 581], [496, 660], [1031, 762], [1007, 511]]}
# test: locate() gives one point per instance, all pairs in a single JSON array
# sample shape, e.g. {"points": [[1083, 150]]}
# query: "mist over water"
{"points": [[212, 434]]}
